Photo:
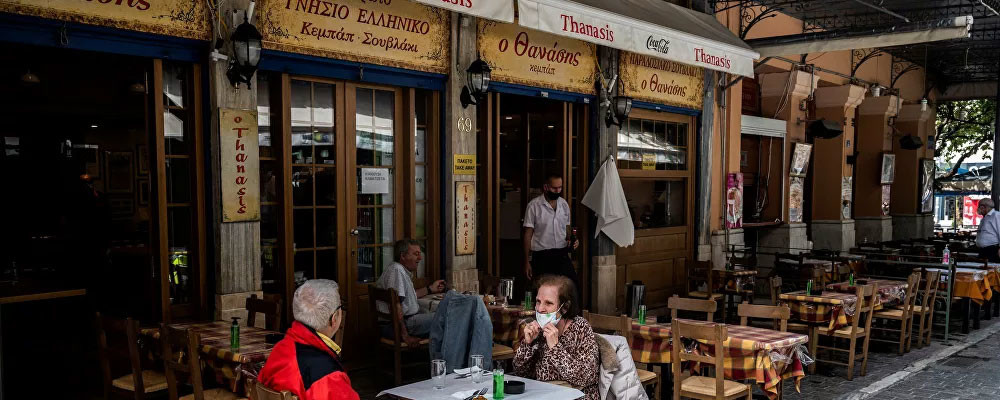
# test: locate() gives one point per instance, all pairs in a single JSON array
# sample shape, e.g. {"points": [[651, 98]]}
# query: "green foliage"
{"points": [[964, 128]]}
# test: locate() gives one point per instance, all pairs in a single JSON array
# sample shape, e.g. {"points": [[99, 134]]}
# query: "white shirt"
{"points": [[989, 230], [549, 224], [397, 277]]}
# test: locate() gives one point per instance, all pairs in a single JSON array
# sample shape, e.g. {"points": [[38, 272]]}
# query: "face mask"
{"points": [[552, 317], [552, 196]]}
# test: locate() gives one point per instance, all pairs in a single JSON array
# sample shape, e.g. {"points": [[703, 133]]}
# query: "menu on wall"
{"points": [[180, 18], [528, 57], [240, 165], [465, 218], [396, 33], [734, 200], [661, 81], [795, 198]]}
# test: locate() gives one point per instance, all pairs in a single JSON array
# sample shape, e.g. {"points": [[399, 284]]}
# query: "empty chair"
{"points": [[677, 303], [118, 345], [270, 308], [778, 315], [925, 310], [701, 273], [860, 328], [703, 387], [903, 313]]}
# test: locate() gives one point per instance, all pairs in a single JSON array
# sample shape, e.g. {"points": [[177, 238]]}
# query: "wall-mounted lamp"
{"points": [[618, 110], [478, 77], [30, 78], [246, 53], [876, 91]]}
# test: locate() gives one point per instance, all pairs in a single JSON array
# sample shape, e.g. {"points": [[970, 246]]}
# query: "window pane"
{"points": [[178, 241], [302, 140], [326, 186], [173, 132], [421, 220], [375, 226], [326, 264], [303, 267], [326, 227], [302, 186], [268, 180], [366, 264], [178, 180], [174, 82], [324, 141], [269, 223], [420, 145], [301, 101], [323, 103], [302, 221], [420, 187], [656, 203]]}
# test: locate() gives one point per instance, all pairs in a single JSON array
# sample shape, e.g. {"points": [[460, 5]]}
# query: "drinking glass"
{"points": [[438, 371], [476, 366]]}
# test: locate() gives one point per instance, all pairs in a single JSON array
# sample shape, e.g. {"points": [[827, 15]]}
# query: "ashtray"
{"points": [[273, 338], [513, 387]]}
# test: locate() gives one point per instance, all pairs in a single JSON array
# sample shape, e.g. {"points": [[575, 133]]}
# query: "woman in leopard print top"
{"points": [[560, 351]]}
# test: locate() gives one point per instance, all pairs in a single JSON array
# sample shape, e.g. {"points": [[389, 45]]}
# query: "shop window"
{"points": [[422, 109], [653, 145], [656, 203], [269, 181], [374, 153]]}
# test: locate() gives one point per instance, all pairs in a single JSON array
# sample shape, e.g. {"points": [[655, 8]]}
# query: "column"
{"points": [[237, 244], [832, 222], [872, 221], [782, 95], [459, 269], [604, 284], [907, 221], [725, 149]]}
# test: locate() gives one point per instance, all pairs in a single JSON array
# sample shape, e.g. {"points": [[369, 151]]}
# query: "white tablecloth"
{"points": [[533, 390]]}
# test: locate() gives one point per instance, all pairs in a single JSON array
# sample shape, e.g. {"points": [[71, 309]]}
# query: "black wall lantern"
{"points": [[618, 110], [246, 53], [477, 82]]}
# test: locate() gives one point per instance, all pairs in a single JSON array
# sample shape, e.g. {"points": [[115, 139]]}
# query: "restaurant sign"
{"points": [[528, 57], [465, 218], [661, 81], [394, 33], [180, 18], [492, 9], [240, 165]]}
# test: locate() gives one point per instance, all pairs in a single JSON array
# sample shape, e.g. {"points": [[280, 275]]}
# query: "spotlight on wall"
{"points": [[30, 78], [478, 77], [876, 91]]}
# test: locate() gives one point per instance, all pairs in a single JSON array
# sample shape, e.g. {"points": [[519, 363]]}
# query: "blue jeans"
{"points": [[417, 325]]}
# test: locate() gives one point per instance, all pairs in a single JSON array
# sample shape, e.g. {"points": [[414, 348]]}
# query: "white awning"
{"points": [[654, 28], [497, 10], [959, 28]]}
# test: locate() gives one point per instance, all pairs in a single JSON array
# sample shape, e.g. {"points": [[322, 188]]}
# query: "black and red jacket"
{"points": [[304, 365]]}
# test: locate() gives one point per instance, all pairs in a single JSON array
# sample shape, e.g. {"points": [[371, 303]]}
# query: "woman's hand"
{"points": [[531, 331], [551, 334]]}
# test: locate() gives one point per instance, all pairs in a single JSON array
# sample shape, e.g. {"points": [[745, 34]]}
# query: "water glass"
{"points": [[642, 314], [438, 371], [528, 301], [498, 381], [476, 366]]}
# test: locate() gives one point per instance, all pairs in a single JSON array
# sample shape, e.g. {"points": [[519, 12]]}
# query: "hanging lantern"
{"points": [[246, 53], [477, 82]]}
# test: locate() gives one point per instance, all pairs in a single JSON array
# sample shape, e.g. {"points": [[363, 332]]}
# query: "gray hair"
{"points": [[315, 302], [988, 202], [402, 246]]}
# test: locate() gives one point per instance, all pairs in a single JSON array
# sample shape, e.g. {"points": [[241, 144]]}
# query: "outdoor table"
{"points": [[828, 307], [764, 355], [890, 292], [231, 366], [974, 287], [533, 390], [26, 290]]}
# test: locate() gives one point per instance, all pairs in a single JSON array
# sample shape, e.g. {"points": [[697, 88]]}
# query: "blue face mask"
{"points": [[545, 318]]}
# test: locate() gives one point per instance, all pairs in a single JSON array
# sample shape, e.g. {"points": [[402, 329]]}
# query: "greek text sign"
{"points": [[661, 81], [533, 58], [240, 165], [395, 33], [492, 9], [465, 218], [374, 180], [181, 18]]}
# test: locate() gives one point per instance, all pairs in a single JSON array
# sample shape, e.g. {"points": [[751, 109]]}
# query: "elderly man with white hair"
{"points": [[988, 238], [307, 361]]}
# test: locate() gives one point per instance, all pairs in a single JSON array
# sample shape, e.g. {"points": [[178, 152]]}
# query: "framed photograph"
{"points": [[888, 168], [886, 197], [142, 192], [142, 160], [119, 170], [796, 195], [800, 159], [927, 170]]}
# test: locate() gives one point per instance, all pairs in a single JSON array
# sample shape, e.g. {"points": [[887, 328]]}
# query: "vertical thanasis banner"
{"points": [[240, 165], [465, 218]]}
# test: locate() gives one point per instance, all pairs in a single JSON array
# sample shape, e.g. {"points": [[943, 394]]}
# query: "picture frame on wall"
{"points": [[888, 168], [927, 171], [142, 160], [119, 171], [800, 159], [142, 192]]}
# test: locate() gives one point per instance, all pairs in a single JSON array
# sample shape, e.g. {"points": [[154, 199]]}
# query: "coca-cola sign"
{"points": [[660, 45]]}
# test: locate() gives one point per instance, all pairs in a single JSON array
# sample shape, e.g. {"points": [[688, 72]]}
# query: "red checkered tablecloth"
{"points": [[890, 292], [506, 321], [830, 307], [764, 355]]}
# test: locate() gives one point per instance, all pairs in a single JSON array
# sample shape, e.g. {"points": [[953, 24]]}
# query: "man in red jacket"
{"points": [[306, 362]]}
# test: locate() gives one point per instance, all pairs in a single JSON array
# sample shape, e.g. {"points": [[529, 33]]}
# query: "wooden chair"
{"points": [[864, 311], [118, 344], [701, 273], [181, 356], [703, 387], [395, 344], [270, 308], [926, 308], [677, 303], [778, 315], [258, 391], [775, 283], [622, 326], [903, 314]]}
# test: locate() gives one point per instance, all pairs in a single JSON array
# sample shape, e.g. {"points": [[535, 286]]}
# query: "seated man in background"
{"points": [[396, 276], [307, 361]]}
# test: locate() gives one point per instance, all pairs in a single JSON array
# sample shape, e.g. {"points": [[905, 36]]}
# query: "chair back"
{"points": [[270, 308], [258, 391], [867, 296], [778, 315], [711, 334], [118, 344], [912, 287], [930, 290], [775, 286], [700, 272], [677, 303], [621, 325], [181, 357], [390, 300]]}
